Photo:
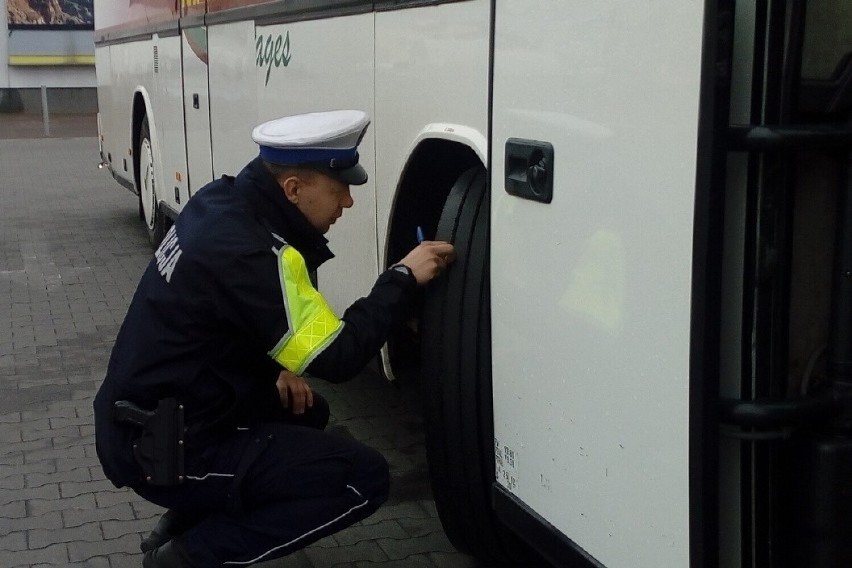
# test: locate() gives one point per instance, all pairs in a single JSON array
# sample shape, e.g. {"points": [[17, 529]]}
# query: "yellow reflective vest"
{"points": [[312, 324]]}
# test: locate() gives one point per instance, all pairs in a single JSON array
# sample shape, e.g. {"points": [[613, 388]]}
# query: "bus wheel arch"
{"points": [[146, 171], [432, 168]]}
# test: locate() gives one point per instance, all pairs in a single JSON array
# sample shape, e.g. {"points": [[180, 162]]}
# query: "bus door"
{"points": [[196, 102], [593, 176]]}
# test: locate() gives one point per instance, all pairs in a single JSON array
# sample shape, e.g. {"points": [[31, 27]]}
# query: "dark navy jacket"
{"points": [[208, 310]]}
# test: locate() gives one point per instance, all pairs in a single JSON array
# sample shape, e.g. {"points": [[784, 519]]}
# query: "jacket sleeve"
{"points": [[306, 335], [367, 323]]}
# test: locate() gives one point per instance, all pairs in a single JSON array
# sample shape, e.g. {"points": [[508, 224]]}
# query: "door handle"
{"points": [[529, 169], [195, 101]]}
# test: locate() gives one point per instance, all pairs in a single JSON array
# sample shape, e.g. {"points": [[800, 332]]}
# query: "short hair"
{"points": [[283, 172]]}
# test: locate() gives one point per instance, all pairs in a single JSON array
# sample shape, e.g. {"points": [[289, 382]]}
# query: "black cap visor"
{"points": [[353, 175]]}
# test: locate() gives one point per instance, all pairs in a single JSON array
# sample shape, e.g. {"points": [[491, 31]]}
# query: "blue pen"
{"points": [[420, 238]]}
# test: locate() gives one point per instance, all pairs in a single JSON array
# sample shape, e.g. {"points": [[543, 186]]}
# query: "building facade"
{"points": [[55, 50]]}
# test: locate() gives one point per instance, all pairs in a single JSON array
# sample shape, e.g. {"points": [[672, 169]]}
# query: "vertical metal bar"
{"points": [[711, 164], [840, 340], [773, 257], [45, 113], [750, 262]]}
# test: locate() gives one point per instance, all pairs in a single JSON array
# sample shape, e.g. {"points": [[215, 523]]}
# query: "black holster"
{"points": [[159, 447]]}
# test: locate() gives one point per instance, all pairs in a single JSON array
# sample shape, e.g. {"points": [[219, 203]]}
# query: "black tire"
{"points": [[457, 383], [149, 202]]}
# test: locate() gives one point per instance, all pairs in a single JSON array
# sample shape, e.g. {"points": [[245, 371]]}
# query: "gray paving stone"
{"points": [[41, 506], [429, 507], [408, 509], [26, 446], [47, 521], [125, 560], [413, 561], [96, 473], [41, 479], [383, 529], [12, 482], [50, 453], [48, 414], [28, 468], [72, 488], [420, 527], [364, 550], [48, 432], [80, 551], [14, 510], [145, 510], [397, 549], [13, 541], [89, 532], [55, 555], [44, 492], [88, 442], [77, 517], [114, 529], [61, 422], [7, 460], [76, 463], [97, 562]]}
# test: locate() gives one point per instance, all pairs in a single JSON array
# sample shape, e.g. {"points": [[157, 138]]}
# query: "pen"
{"points": [[420, 238]]}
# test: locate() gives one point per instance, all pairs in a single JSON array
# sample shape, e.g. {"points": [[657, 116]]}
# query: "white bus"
{"points": [[642, 356]]}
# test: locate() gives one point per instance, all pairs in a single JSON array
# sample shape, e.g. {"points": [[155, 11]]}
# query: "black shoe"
{"points": [[171, 525], [169, 555]]}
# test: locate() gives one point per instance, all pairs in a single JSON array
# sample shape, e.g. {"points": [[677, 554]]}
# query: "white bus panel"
{"points": [[591, 292]]}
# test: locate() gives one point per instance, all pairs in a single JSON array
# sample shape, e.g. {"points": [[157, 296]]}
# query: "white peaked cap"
{"points": [[325, 141]]}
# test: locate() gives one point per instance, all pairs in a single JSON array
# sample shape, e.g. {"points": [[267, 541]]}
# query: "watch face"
{"points": [[401, 268]]}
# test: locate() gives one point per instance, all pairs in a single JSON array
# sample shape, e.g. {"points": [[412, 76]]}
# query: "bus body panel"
{"points": [[323, 65], [591, 294], [106, 113], [130, 73], [111, 15], [167, 113], [196, 103], [433, 70], [233, 95]]}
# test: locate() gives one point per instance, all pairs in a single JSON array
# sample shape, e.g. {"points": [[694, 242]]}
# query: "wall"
{"points": [[72, 87]]}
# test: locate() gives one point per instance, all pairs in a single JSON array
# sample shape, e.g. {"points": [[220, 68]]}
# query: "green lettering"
{"points": [[258, 48], [267, 58], [286, 55], [278, 52], [269, 52]]}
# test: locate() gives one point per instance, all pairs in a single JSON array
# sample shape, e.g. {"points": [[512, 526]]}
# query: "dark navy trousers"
{"points": [[270, 490]]}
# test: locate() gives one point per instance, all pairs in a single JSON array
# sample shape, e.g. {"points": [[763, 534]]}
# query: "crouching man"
{"points": [[202, 410]]}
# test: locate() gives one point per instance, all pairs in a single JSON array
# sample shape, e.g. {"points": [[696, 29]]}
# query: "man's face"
{"points": [[320, 198]]}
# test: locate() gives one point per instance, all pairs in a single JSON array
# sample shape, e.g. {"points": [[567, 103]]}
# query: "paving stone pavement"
{"points": [[71, 252]]}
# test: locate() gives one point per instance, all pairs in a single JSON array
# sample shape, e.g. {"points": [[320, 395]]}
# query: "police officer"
{"points": [[203, 410]]}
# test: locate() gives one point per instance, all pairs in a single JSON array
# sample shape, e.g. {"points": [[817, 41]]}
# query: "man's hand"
{"points": [[294, 392], [428, 259]]}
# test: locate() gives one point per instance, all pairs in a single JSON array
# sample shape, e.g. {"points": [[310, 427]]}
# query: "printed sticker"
{"points": [[505, 465]]}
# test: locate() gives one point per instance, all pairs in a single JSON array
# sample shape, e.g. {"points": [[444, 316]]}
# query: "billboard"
{"points": [[50, 14]]}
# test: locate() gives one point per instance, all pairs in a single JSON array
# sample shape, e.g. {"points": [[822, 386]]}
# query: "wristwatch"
{"points": [[404, 269]]}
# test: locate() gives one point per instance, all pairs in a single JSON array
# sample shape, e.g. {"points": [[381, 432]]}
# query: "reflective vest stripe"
{"points": [[312, 324]]}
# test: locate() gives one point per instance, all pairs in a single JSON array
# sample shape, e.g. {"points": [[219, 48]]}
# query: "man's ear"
{"points": [[291, 186]]}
